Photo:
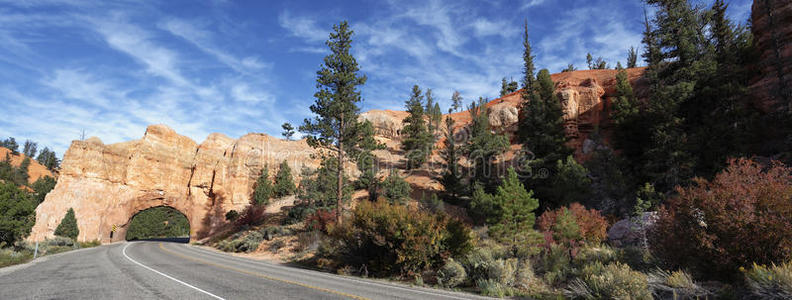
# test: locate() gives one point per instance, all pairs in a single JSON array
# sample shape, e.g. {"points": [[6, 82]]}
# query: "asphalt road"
{"points": [[167, 270]]}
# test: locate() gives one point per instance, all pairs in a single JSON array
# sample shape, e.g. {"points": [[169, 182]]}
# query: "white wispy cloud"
{"points": [[302, 27], [202, 39], [531, 3]]}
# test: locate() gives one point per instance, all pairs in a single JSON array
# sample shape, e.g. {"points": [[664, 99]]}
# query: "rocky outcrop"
{"points": [[632, 231], [772, 30], [108, 184]]}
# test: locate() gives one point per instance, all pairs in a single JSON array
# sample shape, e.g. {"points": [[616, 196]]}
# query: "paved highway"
{"points": [[166, 270]]}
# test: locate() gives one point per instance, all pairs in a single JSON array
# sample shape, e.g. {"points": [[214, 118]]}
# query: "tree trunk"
{"points": [[340, 192]]}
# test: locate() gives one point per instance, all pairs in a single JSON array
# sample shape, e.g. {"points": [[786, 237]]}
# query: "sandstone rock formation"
{"points": [[108, 184], [772, 30]]}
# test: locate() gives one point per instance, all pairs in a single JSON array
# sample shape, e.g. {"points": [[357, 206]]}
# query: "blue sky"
{"points": [[112, 68]]}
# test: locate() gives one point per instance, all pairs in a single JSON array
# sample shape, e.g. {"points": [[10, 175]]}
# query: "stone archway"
{"points": [[120, 221], [158, 222]]}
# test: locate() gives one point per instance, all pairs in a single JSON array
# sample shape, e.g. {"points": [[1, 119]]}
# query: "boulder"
{"points": [[630, 232]]}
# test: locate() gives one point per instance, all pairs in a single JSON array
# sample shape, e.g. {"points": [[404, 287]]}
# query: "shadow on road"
{"points": [[183, 240]]}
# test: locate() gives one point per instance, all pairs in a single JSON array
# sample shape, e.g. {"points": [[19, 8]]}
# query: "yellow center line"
{"points": [[256, 274]]}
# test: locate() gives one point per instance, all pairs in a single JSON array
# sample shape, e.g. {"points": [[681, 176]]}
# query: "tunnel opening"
{"points": [[159, 223]]}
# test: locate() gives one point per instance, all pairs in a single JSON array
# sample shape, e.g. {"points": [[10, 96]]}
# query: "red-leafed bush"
{"points": [[743, 215], [320, 220], [251, 216], [591, 226]]}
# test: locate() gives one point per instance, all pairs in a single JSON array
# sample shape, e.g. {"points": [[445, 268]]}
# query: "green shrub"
{"points": [[275, 246], [90, 244], [392, 239], [395, 188], [555, 264], [602, 254], [17, 214], [242, 242], [493, 288], [612, 281], [774, 282], [503, 271], [675, 285], [232, 215], [10, 257], [524, 277], [452, 274], [270, 232]]}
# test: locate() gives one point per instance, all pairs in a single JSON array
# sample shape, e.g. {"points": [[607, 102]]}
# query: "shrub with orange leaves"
{"points": [[592, 227], [320, 220], [742, 216]]}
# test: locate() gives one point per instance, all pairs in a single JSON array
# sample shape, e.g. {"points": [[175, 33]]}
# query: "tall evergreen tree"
{"points": [[284, 183], [17, 213], [336, 127], [48, 159], [68, 226], [632, 58], [288, 131], [456, 102], [21, 174], [367, 161], [512, 218], [508, 87], [418, 139], [263, 190], [673, 79], [30, 149], [395, 189], [11, 144], [42, 187], [452, 176], [437, 116], [483, 146]]}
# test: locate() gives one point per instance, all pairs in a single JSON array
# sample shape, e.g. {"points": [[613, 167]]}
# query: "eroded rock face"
{"points": [[772, 30], [108, 184]]}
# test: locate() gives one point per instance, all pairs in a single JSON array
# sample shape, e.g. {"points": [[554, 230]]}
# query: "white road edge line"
{"points": [[166, 275], [446, 294]]}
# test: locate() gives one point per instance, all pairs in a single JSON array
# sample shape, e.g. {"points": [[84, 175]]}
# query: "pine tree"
{"points": [[452, 176], [288, 131], [418, 139], [68, 226], [21, 175], [569, 184], [335, 127], [395, 189], [437, 116], [672, 83], [508, 87], [483, 146], [569, 68], [284, 183], [456, 102], [17, 214], [543, 127], [514, 205], [48, 159], [632, 58], [42, 187], [11, 144], [366, 161], [429, 109], [528, 67], [625, 105], [29, 149], [263, 190], [590, 61]]}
